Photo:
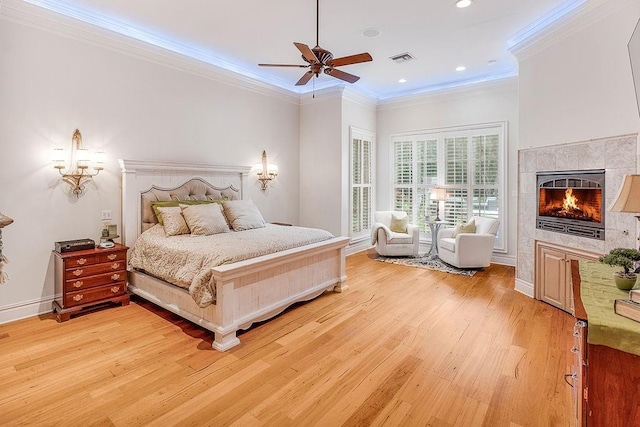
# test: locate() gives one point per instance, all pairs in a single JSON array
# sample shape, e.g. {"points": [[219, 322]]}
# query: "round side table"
{"points": [[434, 226]]}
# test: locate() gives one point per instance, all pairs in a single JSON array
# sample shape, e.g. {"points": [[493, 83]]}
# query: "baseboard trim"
{"points": [[360, 246], [22, 310], [524, 288], [504, 260]]}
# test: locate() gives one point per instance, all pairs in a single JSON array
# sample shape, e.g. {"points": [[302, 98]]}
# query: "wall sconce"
{"points": [[82, 159], [266, 171], [439, 194]]}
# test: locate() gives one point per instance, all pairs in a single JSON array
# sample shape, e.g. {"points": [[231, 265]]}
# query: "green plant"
{"points": [[623, 257]]}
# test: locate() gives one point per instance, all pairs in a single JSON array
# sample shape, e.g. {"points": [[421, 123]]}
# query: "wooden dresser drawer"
{"points": [[94, 294], [92, 270], [96, 258], [93, 281], [89, 277]]}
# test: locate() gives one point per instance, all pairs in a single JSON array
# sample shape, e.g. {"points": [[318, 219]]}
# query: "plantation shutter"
{"points": [[468, 162], [361, 184]]}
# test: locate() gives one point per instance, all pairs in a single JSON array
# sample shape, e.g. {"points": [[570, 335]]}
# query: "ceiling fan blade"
{"points": [[283, 65], [348, 60], [305, 78], [341, 75], [306, 51]]}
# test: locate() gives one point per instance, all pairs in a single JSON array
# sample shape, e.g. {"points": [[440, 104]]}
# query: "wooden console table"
{"points": [[606, 370]]}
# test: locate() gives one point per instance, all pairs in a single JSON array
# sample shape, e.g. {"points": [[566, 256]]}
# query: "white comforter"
{"points": [[186, 260]]}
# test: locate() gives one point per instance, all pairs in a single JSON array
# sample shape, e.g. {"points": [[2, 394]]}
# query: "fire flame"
{"points": [[570, 201]]}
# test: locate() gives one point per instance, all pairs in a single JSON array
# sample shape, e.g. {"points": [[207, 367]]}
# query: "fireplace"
{"points": [[572, 202]]}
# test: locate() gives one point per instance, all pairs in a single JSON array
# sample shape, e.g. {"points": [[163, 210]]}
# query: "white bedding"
{"points": [[186, 260]]}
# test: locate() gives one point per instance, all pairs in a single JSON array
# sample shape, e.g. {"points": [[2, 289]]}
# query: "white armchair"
{"points": [[393, 243], [469, 250]]}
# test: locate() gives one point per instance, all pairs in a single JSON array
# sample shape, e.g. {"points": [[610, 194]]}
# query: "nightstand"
{"points": [[84, 279]]}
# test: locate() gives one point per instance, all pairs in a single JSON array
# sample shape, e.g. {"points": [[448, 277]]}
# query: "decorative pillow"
{"points": [[177, 203], [470, 227], [243, 215], [173, 221], [399, 224], [205, 219]]}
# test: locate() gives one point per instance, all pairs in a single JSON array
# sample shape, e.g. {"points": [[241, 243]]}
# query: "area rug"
{"points": [[428, 263]]}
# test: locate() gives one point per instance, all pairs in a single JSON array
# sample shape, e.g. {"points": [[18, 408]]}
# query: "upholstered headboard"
{"points": [[144, 182], [194, 189]]}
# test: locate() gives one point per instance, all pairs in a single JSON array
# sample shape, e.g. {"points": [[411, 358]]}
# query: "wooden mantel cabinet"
{"points": [[553, 273], [605, 380]]}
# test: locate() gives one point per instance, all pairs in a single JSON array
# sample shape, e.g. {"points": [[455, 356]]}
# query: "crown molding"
{"points": [[540, 35], [458, 92], [352, 94], [33, 16], [322, 94]]}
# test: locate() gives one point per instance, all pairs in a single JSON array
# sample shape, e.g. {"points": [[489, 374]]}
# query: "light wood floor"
{"points": [[403, 346]]}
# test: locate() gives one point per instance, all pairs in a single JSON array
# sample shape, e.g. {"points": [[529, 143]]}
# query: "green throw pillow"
{"points": [[399, 225], [470, 227], [177, 203]]}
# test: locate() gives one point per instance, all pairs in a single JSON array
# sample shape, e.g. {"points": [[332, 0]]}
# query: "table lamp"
{"points": [[628, 198], [439, 194]]}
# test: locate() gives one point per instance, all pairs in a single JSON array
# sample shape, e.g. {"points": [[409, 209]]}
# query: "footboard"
{"points": [[260, 288], [253, 290]]}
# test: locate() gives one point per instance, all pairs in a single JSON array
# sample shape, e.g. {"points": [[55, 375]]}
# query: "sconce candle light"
{"points": [[82, 158], [266, 171]]}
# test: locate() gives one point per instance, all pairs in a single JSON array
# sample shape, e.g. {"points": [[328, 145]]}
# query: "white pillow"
{"points": [[205, 219], [173, 221], [243, 214]]}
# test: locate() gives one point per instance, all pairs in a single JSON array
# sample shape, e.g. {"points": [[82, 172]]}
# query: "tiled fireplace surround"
{"points": [[617, 155]]}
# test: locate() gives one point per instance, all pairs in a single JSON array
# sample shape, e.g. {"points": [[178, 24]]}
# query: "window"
{"points": [[362, 161], [468, 162]]}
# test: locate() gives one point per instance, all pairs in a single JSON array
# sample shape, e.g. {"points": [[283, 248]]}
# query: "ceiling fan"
{"points": [[321, 60]]}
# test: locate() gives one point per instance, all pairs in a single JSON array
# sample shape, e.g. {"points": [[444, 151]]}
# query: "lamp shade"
{"points": [[438, 193], [628, 198]]}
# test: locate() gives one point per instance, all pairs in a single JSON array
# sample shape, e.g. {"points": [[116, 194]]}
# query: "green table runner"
{"points": [[598, 292]]}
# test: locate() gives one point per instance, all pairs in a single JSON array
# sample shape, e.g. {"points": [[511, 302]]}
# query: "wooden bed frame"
{"points": [[247, 291]]}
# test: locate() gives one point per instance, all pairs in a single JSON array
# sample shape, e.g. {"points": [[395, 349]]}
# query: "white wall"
{"points": [[321, 161], [576, 98], [483, 103], [580, 87], [131, 108]]}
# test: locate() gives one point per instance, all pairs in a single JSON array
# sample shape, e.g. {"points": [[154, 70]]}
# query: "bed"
{"points": [[246, 291]]}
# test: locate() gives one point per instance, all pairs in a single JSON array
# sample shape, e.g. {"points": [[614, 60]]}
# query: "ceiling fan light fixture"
{"points": [[463, 3], [319, 60]]}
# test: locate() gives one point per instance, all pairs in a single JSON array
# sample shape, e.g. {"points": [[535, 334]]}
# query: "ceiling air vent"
{"points": [[402, 57]]}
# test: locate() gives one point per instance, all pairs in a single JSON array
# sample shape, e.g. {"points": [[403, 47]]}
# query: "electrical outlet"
{"points": [[106, 215]]}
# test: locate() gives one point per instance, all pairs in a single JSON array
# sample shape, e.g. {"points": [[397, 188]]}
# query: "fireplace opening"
{"points": [[572, 202]]}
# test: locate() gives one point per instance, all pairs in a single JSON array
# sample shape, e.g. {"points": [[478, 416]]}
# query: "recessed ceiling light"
{"points": [[463, 3], [371, 32], [402, 81], [461, 68]]}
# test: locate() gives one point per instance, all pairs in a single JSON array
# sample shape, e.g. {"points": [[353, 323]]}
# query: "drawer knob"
{"points": [[115, 266], [77, 272], [78, 297], [81, 261], [111, 257], [77, 284], [574, 349], [115, 289], [115, 276]]}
